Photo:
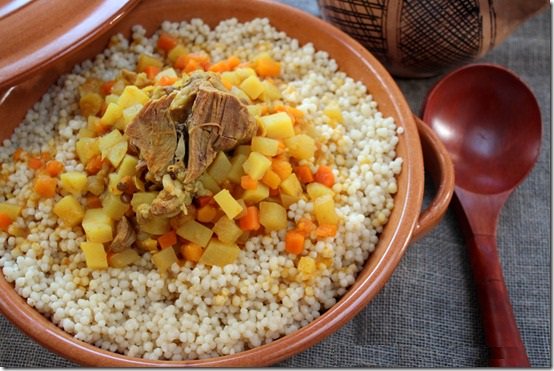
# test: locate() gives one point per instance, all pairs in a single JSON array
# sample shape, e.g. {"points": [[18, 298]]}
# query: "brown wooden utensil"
{"points": [[490, 122]]}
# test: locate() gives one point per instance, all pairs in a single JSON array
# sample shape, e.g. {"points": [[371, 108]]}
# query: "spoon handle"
{"points": [[501, 332]]}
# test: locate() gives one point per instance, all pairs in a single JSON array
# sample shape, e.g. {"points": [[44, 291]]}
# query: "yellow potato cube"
{"points": [[140, 198], [254, 109], [228, 204], [11, 210], [195, 232], [129, 114], [86, 149], [273, 216], [316, 190], [256, 165], [253, 196], [265, 146], [168, 72], [227, 230], [236, 171], [324, 210], [243, 149], [176, 52], [291, 186], [156, 225], [230, 78], [132, 96], [112, 114], [288, 200], [95, 255], [74, 182], [97, 226], [278, 125], [69, 210], [107, 141], [244, 72], [301, 146], [164, 259], [145, 60], [252, 86], [220, 167], [128, 166], [124, 258], [209, 183], [219, 253], [117, 152], [306, 265], [114, 207]]}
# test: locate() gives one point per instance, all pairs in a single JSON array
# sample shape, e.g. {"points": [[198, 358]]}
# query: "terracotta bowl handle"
{"points": [[439, 165]]}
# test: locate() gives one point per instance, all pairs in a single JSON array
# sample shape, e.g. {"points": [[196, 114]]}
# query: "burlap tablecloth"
{"points": [[427, 314]]}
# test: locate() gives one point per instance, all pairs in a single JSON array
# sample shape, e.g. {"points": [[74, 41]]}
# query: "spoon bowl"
{"points": [[490, 123]]}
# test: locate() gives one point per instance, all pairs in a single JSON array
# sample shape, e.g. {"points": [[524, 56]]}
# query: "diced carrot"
{"points": [[54, 168], [167, 239], [93, 202], [267, 67], [305, 226], [5, 222], [45, 186], [220, 66], [167, 80], [232, 62], [206, 214], [191, 251], [166, 42], [326, 230], [18, 154], [151, 71], [106, 87], [274, 192], [294, 242], [192, 65], [181, 61], [304, 174], [251, 220], [99, 128], [271, 179], [94, 165], [199, 60], [204, 200], [283, 168], [247, 182], [34, 162], [45, 156], [324, 175]]}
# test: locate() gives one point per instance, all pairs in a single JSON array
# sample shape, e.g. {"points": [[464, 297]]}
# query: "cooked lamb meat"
{"points": [[125, 236]]}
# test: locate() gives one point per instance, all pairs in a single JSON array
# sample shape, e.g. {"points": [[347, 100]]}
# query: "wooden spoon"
{"points": [[490, 123]]}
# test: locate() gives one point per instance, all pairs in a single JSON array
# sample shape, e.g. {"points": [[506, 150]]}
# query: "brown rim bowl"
{"points": [[407, 221]]}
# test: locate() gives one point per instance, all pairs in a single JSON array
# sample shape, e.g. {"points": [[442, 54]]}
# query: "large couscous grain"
{"points": [[198, 311]]}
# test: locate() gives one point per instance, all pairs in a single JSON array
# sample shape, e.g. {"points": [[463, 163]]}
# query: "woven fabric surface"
{"points": [[427, 314]]}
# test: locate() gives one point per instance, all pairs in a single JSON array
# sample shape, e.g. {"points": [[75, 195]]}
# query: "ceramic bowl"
{"points": [[407, 221]]}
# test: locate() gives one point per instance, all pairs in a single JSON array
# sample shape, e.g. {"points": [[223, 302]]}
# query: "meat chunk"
{"points": [[125, 236]]}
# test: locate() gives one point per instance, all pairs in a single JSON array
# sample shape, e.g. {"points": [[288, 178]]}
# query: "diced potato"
{"points": [[219, 253], [324, 210], [145, 60], [301, 146], [112, 114], [131, 96], [291, 186], [278, 125], [86, 132], [95, 255], [241, 95], [164, 259], [117, 152], [69, 210], [168, 72], [97, 225], [140, 198], [74, 182], [227, 230], [107, 141], [334, 113], [111, 98], [306, 265], [129, 113], [95, 185], [90, 104], [113, 181], [176, 52], [230, 78], [265, 146], [236, 168], [252, 86], [288, 200], [271, 92], [114, 207], [244, 72], [195, 232], [128, 166], [256, 165], [228, 204], [273, 216], [86, 149], [148, 244], [243, 149], [124, 258], [316, 190], [254, 109], [253, 196], [209, 183], [10, 210], [156, 225], [220, 167]]}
